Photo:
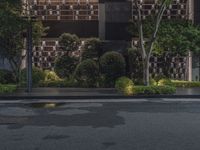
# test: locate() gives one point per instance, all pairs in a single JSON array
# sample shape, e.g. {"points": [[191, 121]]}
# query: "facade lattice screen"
{"points": [[65, 9]]}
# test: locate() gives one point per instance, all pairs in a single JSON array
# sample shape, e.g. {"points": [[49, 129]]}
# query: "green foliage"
{"points": [[51, 76], [87, 73], [112, 67], [65, 66], [92, 49], [125, 85], [135, 65], [174, 37], [153, 82], [178, 36], [6, 77], [38, 75], [186, 84], [12, 29], [69, 42], [163, 82], [154, 90], [6, 88], [38, 31]]}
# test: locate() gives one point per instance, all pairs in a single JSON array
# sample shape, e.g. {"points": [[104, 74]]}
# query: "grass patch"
{"points": [[7, 88]]}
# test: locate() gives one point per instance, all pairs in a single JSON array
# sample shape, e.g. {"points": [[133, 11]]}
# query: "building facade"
{"points": [[105, 19]]}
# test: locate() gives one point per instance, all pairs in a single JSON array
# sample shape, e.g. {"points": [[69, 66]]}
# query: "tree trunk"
{"points": [[146, 71]]}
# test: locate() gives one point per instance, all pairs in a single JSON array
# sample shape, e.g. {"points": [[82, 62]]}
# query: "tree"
{"points": [[11, 40], [69, 42], [177, 37], [12, 30], [146, 43]]}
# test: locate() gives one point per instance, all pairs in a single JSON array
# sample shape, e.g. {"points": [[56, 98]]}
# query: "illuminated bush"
{"points": [[125, 85], [163, 82], [51, 76]]}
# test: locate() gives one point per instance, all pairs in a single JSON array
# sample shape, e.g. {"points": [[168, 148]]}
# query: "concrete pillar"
{"points": [[190, 10], [190, 66], [102, 21]]}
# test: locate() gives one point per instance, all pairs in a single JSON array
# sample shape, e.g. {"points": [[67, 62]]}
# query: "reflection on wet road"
{"points": [[100, 126]]}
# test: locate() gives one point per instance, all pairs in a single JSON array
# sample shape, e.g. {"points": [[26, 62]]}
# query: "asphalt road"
{"points": [[100, 126]]}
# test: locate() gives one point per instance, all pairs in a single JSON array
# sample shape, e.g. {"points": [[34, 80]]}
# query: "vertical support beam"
{"points": [[190, 66], [190, 10], [102, 21], [29, 57]]}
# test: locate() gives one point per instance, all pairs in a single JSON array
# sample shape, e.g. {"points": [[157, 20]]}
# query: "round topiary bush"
{"points": [[6, 77], [92, 49], [87, 73], [69, 42], [37, 75], [164, 82], [125, 85], [112, 67], [65, 66], [51, 76]]}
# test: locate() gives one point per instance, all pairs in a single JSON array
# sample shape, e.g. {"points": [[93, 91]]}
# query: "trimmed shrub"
{"points": [[125, 85], [51, 76], [65, 66], [37, 75], [92, 49], [113, 66], [154, 90], [186, 84], [69, 42], [163, 82], [87, 73], [6, 77], [5, 88]]}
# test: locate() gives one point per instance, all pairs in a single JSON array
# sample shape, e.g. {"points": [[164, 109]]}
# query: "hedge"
{"points": [[7, 88], [186, 84], [154, 90], [59, 83]]}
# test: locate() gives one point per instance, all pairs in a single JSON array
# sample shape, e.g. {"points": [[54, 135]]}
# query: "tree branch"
{"points": [[157, 24], [140, 29]]}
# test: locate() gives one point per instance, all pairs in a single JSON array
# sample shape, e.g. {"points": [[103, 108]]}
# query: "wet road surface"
{"points": [[100, 126]]}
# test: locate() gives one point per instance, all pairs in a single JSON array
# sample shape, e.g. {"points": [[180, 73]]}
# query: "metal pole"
{"points": [[29, 58]]}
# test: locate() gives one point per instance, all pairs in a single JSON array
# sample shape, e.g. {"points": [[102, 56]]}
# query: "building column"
{"points": [[190, 70], [190, 10], [102, 21]]}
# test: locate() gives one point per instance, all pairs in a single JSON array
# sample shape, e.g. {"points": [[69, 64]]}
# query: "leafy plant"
{"points": [[112, 66], [87, 73], [125, 85], [38, 75], [69, 42], [51, 76], [92, 49], [65, 66]]}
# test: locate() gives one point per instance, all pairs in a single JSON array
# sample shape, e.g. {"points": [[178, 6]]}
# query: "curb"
{"points": [[12, 97]]}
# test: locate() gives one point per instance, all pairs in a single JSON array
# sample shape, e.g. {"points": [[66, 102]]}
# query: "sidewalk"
{"points": [[91, 93]]}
